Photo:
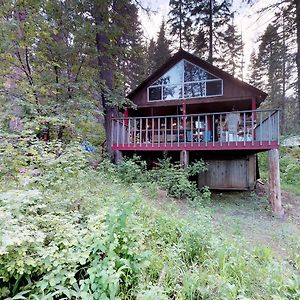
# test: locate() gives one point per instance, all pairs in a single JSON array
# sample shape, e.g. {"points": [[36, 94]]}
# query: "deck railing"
{"points": [[236, 128]]}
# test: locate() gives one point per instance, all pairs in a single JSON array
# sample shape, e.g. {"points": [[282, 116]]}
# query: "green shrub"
{"points": [[176, 180], [92, 132], [133, 170], [89, 234], [289, 167]]}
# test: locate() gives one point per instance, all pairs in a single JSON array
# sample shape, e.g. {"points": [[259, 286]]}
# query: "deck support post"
{"points": [[274, 183], [184, 158], [118, 157]]}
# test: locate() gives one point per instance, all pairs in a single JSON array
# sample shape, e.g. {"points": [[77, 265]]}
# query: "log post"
{"points": [[274, 183], [184, 158]]}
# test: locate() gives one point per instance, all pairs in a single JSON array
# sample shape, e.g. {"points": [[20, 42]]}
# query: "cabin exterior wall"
{"points": [[231, 92], [229, 174], [199, 125]]}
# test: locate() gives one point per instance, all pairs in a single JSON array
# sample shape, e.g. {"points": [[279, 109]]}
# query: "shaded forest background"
{"points": [[66, 66]]}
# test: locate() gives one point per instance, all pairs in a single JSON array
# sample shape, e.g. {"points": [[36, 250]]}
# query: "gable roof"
{"points": [[182, 54]]}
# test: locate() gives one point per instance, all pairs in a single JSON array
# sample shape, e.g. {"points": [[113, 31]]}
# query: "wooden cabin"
{"points": [[193, 109]]}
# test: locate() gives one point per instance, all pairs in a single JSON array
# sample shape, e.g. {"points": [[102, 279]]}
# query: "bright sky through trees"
{"points": [[248, 20]]}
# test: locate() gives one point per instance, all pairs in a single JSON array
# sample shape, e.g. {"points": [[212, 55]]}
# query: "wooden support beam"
{"points": [[274, 183], [184, 158]]}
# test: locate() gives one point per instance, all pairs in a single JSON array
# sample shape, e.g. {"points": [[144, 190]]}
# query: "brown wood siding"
{"points": [[233, 89], [231, 174], [231, 92]]}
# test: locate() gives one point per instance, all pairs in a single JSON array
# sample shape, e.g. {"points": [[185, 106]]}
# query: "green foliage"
{"points": [[170, 177], [92, 132], [289, 168], [88, 234], [29, 158], [175, 179], [133, 171]]}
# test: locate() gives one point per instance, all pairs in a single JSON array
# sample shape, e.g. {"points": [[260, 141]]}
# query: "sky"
{"points": [[249, 22]]}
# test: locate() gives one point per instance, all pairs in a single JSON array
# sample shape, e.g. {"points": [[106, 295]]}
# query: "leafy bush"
{"points": [[133, 170], [92, 132], [175, 179], [88, 234], [289, 167]]}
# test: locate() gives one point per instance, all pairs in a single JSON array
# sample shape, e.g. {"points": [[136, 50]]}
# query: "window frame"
{"points": [[183, 83]]}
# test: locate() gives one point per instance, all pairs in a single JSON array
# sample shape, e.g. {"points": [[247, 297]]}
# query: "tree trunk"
{"points": [[297, 2], [274, 183], [210, 56], [105, 66], [282, 119]]}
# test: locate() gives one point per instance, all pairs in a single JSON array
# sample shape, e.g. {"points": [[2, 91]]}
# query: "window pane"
{"points": [[194, 90], [194, 73], [173, 76], [214, 88], [155, 93], [172, 92]]}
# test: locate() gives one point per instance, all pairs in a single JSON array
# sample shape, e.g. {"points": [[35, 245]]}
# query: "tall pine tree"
{"points": [[162, 50], [202, 24], [230, 58]]}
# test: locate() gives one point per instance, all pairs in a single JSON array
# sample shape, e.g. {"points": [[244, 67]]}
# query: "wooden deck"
{"points": [[255, 130]]}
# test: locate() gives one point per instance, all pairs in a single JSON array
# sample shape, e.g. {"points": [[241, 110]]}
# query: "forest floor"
{"points": [[248, 217]]}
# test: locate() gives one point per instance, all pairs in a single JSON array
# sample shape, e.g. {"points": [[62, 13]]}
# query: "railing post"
{"points": [[192, 131], [252, 128], [152, 120], [118, 132], [260, 126], [244, 130], [141, 133], [134, 132], [178, 131], [206, 131], [278, 127], [165, 131], [184, 130], [146, 125], [221, 130], [198, 130], [213, 130], [158, 129], [129, 131], [171, 131], [123, 133]]}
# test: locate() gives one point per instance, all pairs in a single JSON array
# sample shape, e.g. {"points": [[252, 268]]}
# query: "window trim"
{"points": [[182, 86]]}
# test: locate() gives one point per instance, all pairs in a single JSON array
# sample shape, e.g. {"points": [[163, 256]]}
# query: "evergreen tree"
{"points": [[151, 56], [254, 72], [200, 44], [230, 59], [180, 22], [202, 23], [212, 17], [162, 50], [287, 19], [132, 57], [270, 57]]}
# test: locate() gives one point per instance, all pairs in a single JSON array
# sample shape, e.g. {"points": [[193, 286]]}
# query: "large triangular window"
{"points": [[183, 81]]}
